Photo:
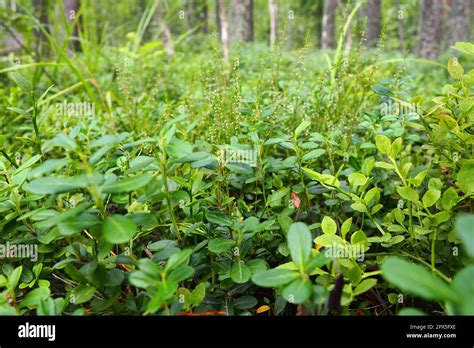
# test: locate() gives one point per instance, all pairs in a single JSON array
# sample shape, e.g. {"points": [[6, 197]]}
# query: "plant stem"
{"points": [[433, 251], [35, 125], [9, 159], [164, 164]]}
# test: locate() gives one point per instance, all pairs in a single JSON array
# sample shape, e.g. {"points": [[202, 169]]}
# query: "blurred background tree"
{"points": [[420, 27]]}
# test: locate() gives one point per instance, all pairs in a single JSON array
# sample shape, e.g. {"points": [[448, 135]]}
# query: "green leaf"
{"points": [[463, 285], [129, 184], [178, 258], [28, 163], [245, 302], [303, 125], [464, 47], [408, 193], [77, 224], [275, 197], [105, 140], [52, 185], [14, 277], [64, 141], [416, 280], [274, 277], [50, 306], [464, 228], [285, 222], [47, 167], [409, 311], [240, 168], [382, 90], [118, 229], [441, 217], [220, 245], [364, 286], [22, 82], [346, 226], [359, 237], [318, 261], [67, 214], [455, 69], [146, 276], [240, 273], [328, 225], [298, 291], [357, 179], [396, 147], [466, 177], [18, 111], [6, 309], [195, 156], [450, 198], [218, 219], [383, 144], [115, 277], [384, 165], [328, 240], [299, 243], [181, 273], [431, 197], [34, 297], [82, 293], [165, 290], [314, 154], [144, 163], [197, 295], [179, 148], [359, 207]]}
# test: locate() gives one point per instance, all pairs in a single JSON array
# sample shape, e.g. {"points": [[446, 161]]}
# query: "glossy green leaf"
{"points": [[464, 228], [298, 291], [383, 144], [239, 272], [118, 229], [128, 184], [416, 280], [219, 245], [274, 277], [408, 193], [299, 243], [328, 225]]}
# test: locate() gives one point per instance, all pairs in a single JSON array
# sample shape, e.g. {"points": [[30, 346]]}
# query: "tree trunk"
{"points": [[328, 24], [373, 22], [459, 22], [273, 9], [430, 28], [71, 9], [401, 29], [41, 12], [166, 33], [197, 14], [289, 31], [218, 20], [242, 20], [224, 32], [13, 40]]}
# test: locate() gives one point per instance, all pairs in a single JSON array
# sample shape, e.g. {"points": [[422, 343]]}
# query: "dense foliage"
{"points": [[286, 183]]}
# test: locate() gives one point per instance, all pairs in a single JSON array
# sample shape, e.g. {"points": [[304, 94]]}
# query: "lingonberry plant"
{"points": [[274, 183]]}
